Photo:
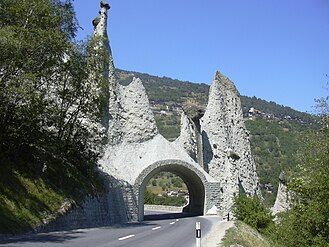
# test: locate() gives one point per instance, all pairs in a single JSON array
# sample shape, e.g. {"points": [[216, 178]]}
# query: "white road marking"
{"points": [[156, 228], [126, 237], [171, 223]]}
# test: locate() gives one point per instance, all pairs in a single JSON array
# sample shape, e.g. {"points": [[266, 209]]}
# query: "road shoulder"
{"points": [[214, 237]]}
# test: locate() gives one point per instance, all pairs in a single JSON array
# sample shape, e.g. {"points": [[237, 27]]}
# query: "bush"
{"points": [[252, 212], [150, 198]]}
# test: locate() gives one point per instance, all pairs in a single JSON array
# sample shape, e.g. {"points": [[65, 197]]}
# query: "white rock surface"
{"points": [[127, 160], [212, 211], [187, 138], [283, 197], [132, 119], [282, 200], [104, 71], [227, 150]]}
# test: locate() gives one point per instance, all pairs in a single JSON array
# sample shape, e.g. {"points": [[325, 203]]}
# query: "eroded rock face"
{"points": [[227, 153], [100, 34], [282, 201], [213, 145], [103, 73], [132, 118], [187, 138]]}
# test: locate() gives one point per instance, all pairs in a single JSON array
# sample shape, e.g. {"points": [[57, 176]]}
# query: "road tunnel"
{"points": [[191, 176]]}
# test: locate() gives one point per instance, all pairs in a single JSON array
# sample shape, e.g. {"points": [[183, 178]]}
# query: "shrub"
{"points": [[251, 211]]}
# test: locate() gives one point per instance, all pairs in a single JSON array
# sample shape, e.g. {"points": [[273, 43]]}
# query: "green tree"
{"points": [[48, 121], [149, 197], [307, 223], [46, 99], [177, 182]]}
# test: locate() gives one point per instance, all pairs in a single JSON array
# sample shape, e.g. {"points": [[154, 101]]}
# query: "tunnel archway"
{"points": [[192, 177]]}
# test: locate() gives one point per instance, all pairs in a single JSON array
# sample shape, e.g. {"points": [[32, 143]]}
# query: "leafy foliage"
{"points": [[277, 110], [49, 120], [164, 89], [275, 144], [251, 211], [150, 198], [307, 223]]}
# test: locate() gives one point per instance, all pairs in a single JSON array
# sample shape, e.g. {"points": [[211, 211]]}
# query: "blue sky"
{"points": [[274, 50]]}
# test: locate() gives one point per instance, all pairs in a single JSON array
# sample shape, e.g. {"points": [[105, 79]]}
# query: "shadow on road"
{"points": [[153, 215], [62, 236], [54, 237]]}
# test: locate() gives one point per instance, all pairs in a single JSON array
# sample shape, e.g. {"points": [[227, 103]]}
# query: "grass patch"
{"points": [[25, 202], [30, 197], [243, 235], [155, 190]]}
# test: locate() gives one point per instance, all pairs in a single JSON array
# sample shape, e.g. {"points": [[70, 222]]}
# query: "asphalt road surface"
{"points": [[167, 230]]}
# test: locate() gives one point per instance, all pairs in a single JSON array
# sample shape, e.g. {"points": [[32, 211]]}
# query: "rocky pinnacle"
{"points": [[227, 152], [104, 64]]}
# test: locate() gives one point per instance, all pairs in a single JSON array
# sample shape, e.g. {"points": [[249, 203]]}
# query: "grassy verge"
{"points": [[25, 202], [29, 197], [243, 235]]}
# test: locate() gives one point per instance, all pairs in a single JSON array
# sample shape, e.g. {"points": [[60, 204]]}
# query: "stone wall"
{"points": [[164, 208], [110, 208]]}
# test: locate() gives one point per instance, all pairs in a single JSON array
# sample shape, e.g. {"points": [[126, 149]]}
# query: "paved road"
{"points": [[167, 230]]}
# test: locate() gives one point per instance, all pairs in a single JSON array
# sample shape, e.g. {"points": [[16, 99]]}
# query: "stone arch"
{"points": [[192, 177]]}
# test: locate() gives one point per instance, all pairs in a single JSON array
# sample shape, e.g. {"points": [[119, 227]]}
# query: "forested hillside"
{"points": [[275, 129]]}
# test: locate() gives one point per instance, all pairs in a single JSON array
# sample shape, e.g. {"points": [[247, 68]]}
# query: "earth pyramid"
{"points": [[216, 144], [212, 154]]}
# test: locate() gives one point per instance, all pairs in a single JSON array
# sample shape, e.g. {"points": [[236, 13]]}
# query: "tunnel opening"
{"points": [[194, 185], [166, 189]]}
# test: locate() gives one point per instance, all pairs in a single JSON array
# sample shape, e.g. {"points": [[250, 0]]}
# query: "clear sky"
{"points": [[274, 50]]}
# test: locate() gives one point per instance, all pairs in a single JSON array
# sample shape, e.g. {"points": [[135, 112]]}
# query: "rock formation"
{"points": [[104, 71], [214, 140], [282, 201], [134, 121], [187, 138], [227, 153], [212, 154]]}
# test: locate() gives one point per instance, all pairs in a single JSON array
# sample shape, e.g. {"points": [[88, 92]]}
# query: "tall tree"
{"points": [[47, 102]]}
